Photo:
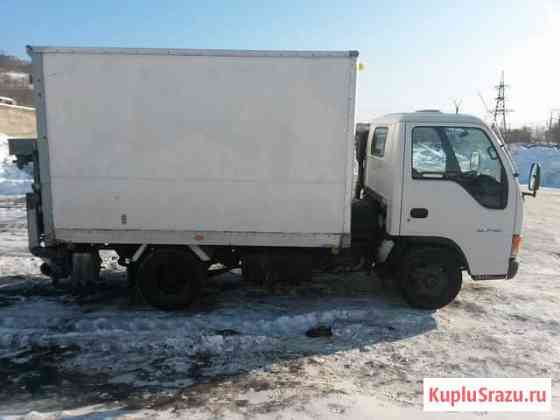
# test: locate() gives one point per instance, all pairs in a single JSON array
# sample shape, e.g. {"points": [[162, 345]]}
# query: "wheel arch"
{"points": [[404, 243]]}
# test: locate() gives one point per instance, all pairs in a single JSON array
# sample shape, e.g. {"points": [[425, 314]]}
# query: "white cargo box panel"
{"points": [[196, 146]]}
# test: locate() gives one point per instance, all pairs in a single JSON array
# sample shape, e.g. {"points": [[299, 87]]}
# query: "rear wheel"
{"points": [[170, 278], [430, 278]]}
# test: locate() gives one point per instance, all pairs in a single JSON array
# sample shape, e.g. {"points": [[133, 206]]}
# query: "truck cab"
{"points": [[449, 201]]}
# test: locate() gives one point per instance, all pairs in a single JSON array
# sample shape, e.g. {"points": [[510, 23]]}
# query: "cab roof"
{"points": [[427, 117]]}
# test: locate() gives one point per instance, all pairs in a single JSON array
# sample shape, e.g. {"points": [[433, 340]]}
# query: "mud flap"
{"points": [[33, 222]]}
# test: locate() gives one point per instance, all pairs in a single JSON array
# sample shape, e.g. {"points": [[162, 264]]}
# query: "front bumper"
{"points": [[513, 268]]}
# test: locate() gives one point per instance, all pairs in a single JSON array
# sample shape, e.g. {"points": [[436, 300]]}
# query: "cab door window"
{"points": [[464, 155]]}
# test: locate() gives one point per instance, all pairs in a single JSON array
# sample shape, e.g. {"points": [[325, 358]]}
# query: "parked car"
{"points": [[7, 101]]}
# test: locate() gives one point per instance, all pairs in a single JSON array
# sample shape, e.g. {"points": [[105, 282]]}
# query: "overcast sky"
{"points": [[421, 54]]}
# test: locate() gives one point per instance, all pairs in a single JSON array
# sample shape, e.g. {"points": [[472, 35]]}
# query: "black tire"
{"points": [[170, 278], [430, 278]]}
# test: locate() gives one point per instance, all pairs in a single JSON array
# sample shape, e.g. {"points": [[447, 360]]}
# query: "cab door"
{"points": [[456, 187]]}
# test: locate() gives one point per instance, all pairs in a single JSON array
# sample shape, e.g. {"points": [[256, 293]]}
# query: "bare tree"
{"points": [[457, 103]]}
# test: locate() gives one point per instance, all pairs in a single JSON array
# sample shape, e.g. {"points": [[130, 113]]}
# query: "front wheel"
{"points": [[430, 278]]}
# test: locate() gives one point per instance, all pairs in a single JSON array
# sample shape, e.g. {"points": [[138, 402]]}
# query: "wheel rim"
{"points": [[429, 279]]}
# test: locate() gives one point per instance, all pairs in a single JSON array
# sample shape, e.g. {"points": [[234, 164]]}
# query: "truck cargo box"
{"points": [[194, 146]]}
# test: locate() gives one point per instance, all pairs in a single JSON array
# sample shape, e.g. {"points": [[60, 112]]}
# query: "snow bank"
{"points": [[547, 156], [13, 181]]}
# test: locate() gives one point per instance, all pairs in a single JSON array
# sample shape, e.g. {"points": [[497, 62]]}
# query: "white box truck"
{"points": [[183, 159]]}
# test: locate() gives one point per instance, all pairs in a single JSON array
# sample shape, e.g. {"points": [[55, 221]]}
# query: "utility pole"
{"points": [[500, 110]]}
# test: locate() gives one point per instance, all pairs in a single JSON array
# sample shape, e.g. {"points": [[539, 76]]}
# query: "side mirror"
{"points": [[534, 179], [475, 162]]}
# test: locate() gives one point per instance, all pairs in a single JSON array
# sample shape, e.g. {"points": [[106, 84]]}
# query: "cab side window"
{"points": [[464, 155], [378, 141]]}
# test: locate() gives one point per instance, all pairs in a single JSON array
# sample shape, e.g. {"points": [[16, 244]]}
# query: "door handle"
{"points": [[418, 213]]}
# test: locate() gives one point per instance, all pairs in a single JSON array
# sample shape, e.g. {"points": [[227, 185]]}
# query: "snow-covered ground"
{"points": [[243, 352]]}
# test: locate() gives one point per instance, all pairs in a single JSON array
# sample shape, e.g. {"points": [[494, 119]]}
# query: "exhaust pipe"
{"points": [[362, 132]]}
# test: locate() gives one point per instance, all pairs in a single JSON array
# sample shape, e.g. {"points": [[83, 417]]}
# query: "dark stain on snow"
{"points": [[319, 331]]}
